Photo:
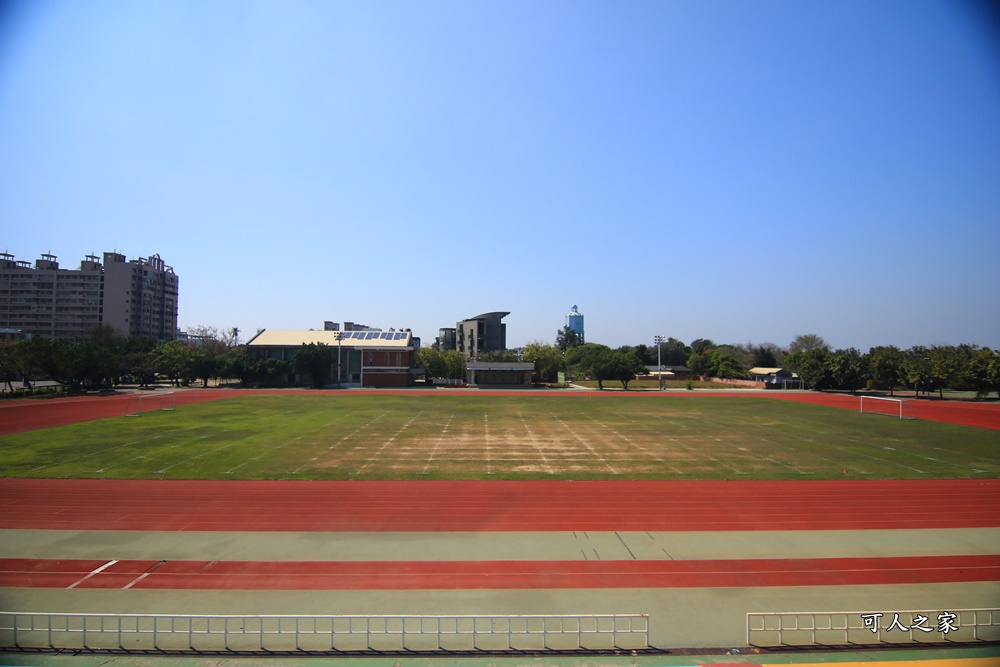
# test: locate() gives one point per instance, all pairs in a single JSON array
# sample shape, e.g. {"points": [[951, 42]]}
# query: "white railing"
{"points": [[322, 634], [867, 628]]}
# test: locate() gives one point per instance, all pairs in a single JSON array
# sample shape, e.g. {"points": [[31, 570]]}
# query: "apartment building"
{"points": [[137, 297], [140, 296]]}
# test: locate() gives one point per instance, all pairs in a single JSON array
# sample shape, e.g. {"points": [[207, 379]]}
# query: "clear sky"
{"points": [[740, 171]]}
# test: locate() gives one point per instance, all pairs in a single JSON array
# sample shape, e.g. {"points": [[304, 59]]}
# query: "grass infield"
{"points": [[488, 437]]}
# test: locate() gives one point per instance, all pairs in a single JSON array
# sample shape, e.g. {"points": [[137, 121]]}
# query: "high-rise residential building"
{"points": [[136, 297], [140, 296]]}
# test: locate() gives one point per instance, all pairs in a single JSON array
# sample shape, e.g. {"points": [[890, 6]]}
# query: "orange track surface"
{"points": [[370, 506], [497, 575]]}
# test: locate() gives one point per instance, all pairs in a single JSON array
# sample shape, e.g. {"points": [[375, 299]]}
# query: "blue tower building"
{"points": [[574, 320]]}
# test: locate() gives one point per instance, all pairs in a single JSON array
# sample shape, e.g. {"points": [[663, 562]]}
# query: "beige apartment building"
{"points": [[137, 297]]}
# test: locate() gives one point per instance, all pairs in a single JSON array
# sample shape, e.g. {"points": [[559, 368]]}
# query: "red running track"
{"points": [[431, 506], [19, 416], [497, 575]]}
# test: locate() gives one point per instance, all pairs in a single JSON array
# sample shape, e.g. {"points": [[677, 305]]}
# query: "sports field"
{"points": [[469, 437]]}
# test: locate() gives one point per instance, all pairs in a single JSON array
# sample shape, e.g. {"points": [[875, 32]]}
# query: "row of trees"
{"points": [[107, 359], [921, 369], [888, 368]]}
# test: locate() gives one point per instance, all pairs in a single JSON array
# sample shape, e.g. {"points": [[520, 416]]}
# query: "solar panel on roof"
{"points": [[371, 334], [386, 336], [400, 336]]}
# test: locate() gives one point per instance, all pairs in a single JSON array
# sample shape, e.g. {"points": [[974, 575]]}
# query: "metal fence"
{"points": [[322, 634], [872, 628]]}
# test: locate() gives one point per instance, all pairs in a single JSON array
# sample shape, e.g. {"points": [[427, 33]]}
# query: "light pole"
{"points": [[659, 362]]}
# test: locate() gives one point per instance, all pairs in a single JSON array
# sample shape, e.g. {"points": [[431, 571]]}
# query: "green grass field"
{"points": [[485, 437]]}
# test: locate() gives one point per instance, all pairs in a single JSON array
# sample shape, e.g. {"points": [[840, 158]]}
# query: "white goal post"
{"points": [[892, 407], [139, 403]]}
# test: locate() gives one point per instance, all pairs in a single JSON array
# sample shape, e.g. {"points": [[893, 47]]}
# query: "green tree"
{"points": [[433, 362], [807, 343], [93, 365], [917, 372], [10, 363], [847, 369], [454, 363], [240, 364], [45, 359], [497, 355], [205, 364], [272, 372], [984, 369], [313, 360], [174, 359], [765, 355], [139, 360], [548, 360], [721, 364], [567, 338], [674, 352], [582, 359], [884, 364], [810, 365], [624, 367], [701, 345]]}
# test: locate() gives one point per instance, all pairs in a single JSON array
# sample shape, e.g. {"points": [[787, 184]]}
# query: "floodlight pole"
{"points": [[340, 335], [659, 361]]}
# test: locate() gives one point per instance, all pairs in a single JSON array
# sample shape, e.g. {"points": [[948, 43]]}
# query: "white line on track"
{"points": [[93, 573]]}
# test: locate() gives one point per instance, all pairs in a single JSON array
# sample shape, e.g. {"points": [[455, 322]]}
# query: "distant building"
{"points": [[511, 373], [140, 296], [574, 320], [137, 297], [482, 333], [362, 357]]}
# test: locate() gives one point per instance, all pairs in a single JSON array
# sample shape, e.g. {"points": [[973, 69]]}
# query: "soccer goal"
{"points": [[139, 403], [892, 407]]}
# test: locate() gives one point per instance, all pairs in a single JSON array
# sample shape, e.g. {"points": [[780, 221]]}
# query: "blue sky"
{"points": [[740, 171]]}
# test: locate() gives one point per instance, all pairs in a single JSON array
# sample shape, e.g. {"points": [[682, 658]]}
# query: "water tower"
{"points": [[574, 320]]}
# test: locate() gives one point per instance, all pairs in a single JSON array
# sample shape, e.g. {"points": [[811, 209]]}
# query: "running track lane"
{"points": [[495, 575], [467, 506], [22, 415]]}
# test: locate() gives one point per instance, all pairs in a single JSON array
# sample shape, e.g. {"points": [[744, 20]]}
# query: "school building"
{"points": [[365, 358]]}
